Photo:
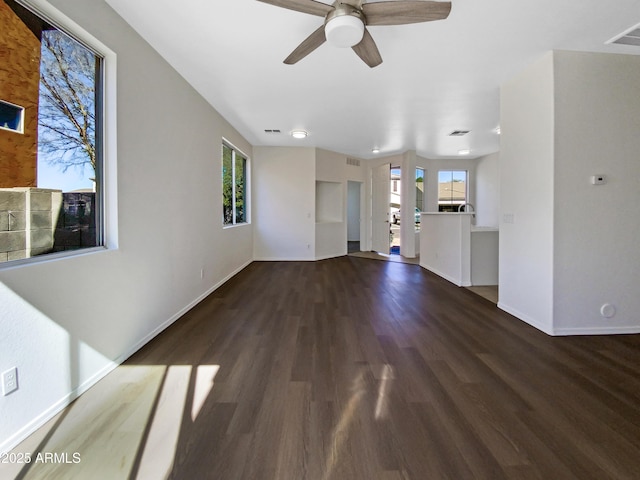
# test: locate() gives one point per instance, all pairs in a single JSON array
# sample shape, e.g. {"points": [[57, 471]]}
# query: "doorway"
{"points": [[385, 209], [354, 190], [395, 201]]}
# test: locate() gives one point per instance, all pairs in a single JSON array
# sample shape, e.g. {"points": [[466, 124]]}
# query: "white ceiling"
{"points": [[436, 77]]}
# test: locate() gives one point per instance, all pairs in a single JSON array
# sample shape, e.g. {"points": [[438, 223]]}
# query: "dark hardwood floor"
{"points": [[351, 369]]}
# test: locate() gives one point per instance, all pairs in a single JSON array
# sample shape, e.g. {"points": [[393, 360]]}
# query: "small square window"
{"points": [[11, 117]]}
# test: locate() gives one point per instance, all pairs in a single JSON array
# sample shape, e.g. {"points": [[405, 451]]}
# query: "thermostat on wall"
{"points": [[598, 179]]}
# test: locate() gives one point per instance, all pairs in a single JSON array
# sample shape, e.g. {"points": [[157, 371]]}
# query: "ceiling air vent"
{"points": [[629, 37], [458, 133], [353, 161], [272, 130]]}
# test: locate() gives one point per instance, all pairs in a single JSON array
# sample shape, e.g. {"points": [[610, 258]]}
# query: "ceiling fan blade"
{"points": [[367, 50], [305, 6], [312, 42], [405, 11]]}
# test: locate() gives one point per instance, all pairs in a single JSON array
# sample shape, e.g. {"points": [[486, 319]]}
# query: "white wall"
{"points": [[408, 245], [67, 322], [284, 203], [596, 254], [287, 224], [487, 184], [526, 195], [571, 246]]}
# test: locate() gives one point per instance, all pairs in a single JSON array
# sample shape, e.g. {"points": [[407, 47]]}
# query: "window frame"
{"points": [[466, 189], [105, 135], [246, 186], [20, 122]]}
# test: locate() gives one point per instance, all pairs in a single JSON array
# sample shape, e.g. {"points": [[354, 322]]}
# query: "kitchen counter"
{"points": [[463, 253]]}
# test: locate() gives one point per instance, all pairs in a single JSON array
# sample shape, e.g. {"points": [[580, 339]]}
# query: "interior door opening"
{"points": [[395, 201], [353, 216]]}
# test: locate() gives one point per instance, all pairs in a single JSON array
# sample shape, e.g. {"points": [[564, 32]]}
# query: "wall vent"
{"points": [[458, 133], [272, 130], [353, 161], [629, 37]]}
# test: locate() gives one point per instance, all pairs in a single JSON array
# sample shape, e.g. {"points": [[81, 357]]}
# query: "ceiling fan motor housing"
{"points": [[344, 26]]}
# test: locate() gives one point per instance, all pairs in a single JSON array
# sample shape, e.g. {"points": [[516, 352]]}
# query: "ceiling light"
{"points": [[465, 151], [344, 31], [498, 131], [375, 150], [299, 134]]}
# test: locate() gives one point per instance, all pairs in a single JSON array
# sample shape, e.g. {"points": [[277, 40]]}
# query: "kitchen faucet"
{"points": [[465, 207]]}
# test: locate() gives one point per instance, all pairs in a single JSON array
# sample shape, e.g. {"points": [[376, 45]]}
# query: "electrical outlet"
{"points": [[9, 381]]}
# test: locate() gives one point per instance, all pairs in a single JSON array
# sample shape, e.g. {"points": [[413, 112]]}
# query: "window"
{"points": [[234, 186], [11, 117], [51, 183], [452, 190]]}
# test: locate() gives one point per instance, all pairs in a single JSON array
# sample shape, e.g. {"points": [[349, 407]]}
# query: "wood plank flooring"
{"points": [[349, 369]]}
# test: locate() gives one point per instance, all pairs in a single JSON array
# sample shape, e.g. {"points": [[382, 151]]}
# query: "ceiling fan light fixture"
{"points": [[344, 31]]}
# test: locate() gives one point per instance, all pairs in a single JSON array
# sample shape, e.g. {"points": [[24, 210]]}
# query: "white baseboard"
{"points": [[525, 318], [54, 409], [572, 331], [65, 401], [446, 277], [283, 259], [326, 257], [597, 331], [160, 328]]}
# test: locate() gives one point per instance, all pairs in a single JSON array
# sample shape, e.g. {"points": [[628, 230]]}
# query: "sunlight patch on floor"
{"points": [[205, 375]]}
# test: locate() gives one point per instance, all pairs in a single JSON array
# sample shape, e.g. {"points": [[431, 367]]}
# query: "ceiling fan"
{"points": [[345, 23]]}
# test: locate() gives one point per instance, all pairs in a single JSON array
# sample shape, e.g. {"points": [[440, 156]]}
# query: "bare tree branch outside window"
{"points": [[67, 111]]}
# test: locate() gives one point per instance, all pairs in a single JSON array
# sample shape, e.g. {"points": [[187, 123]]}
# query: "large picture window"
{"points": [[234, 186], [51, 166]]}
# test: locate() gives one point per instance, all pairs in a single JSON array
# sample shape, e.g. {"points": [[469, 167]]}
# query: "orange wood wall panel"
{"points": [[19, 83]]}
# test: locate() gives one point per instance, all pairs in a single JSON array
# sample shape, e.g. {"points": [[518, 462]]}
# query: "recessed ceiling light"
{"points": [[299, 134], [465, 151], [497, 130], [375, 150]]}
